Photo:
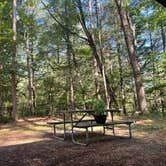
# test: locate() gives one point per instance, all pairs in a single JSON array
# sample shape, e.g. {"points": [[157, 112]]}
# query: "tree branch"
{"points": [[63, 26]]}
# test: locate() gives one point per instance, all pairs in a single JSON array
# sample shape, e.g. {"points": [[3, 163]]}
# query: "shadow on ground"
{"points": [[112, 151]]}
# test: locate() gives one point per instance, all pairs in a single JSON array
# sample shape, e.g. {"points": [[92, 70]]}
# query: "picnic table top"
{"points": [[85, 124], [85, 111]]}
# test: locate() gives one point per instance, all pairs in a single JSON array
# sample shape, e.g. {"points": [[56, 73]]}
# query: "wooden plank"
{"points": [[67, 121], [85, 111], [94, 124]]}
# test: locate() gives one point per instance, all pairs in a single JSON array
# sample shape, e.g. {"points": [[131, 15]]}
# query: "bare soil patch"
{"points": [[29, 142]]}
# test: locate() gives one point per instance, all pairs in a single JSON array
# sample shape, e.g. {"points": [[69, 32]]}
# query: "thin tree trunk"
{"points": [[32, 78], [97, 78], [135, 106], [33, 83], [161, 89], [70, 73], [69, 61], [130, 43], [99, 26], [77, 73], [120, 62], [13, 75], [94, 51], [95, 65], [70, 79], [29, 74], [29, 78], [153, 72], [122, 84]]}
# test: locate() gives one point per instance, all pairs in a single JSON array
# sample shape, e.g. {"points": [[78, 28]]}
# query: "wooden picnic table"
{"points": [[84, 123]]}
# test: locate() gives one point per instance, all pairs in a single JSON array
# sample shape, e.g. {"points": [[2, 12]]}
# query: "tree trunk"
{"points": [[97, 78], [135, 105], [122, 84], [33, 83], [13, 75], [95, 65], [70, 73], [120, 63], [76, 70], [94, 51], [69, 61], [154, 70], [99, 27], [70, 80], [130, 43], [33, 86], [29, 75]]}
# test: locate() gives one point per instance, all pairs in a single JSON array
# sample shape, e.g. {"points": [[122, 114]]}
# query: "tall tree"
{"points": [[131, 47], [13, 75], [95, 66], [28, 36], [98, 14]]}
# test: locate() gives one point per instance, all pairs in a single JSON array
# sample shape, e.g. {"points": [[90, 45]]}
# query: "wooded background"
{"points": [[62, 54]]}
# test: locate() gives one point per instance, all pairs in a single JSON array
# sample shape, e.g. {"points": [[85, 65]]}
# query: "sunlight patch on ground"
{"points": [[23, 132], [145, 122], [16, 141], [16, 137]]}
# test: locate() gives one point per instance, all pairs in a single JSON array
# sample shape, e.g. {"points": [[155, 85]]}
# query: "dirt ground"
{"points": [[30, 143]]}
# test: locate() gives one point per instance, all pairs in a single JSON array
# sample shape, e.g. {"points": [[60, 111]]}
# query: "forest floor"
{"points": [[29, 142]]}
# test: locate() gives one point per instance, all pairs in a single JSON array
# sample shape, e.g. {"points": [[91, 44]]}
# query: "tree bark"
{"points": [[130, 43], [70, 75], [33, 83], [13, 75], [135, 103], [97, 78], [29, 75]]}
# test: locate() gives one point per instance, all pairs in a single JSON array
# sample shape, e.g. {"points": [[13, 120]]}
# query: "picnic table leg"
{"points": [[130, 134], [112, 116], [64, 126], [72, 133], [54, 129], [64, 130], [113, 130], [91, 127], [87, 136], [80, 143], [54, 134], [103, 130]]}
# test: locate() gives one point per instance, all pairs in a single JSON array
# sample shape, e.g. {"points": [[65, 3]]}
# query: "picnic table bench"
{"points": [[86, 124], [107, 125], [54, 123]]}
